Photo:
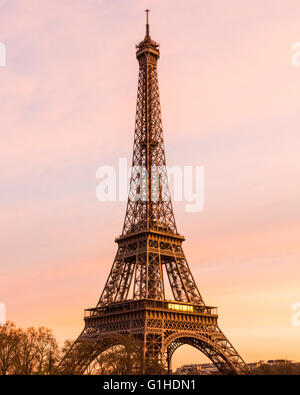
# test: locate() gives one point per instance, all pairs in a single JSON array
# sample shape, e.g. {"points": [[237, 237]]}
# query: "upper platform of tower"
{"points": [[147, 45]]}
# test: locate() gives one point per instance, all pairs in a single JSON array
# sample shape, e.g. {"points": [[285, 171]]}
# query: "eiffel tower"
{"points": [[133, 301]]}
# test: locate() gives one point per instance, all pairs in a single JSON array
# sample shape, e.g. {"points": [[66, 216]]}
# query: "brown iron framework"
{"points": [[133, 301]]}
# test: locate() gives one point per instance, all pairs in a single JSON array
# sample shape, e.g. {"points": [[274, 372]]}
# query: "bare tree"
{"points": [[35, 352], [77, 356], [277, 369], [125, 357], [10, 338], [25, 363], [46, 352], [26, 352]]}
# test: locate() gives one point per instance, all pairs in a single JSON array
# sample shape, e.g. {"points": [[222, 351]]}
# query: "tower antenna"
{"points": [[147, 22]]}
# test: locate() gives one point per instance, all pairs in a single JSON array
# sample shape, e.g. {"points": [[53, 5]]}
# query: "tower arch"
{"points": [[223, 357]]}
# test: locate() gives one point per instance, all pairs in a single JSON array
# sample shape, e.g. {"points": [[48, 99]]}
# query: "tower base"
{"points": [[163, 326]]}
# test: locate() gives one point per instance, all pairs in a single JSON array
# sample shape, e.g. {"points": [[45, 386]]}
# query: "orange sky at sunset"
{"points": [[230, 102]]}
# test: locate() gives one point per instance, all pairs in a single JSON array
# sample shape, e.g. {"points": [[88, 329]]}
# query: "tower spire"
{"points": [[147, 22]]}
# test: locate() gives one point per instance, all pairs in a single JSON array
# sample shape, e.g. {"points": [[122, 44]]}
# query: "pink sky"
{"points": [[230, 101]]}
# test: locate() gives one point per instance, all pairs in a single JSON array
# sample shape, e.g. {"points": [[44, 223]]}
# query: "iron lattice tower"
{"points": [[133, 301]]}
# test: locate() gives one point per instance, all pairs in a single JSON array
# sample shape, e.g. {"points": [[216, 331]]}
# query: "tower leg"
{"points": [[169, 359]]}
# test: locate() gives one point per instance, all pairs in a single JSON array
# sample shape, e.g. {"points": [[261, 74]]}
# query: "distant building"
{"points": [[204, 368], [253, 365], [270, 362], [278, 361], [209, 368]]}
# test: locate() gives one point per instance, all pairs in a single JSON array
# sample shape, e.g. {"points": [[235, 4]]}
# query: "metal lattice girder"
{"points": [[133, 301], [153, 210], [149, 239], [141, 258], [162, 331]]}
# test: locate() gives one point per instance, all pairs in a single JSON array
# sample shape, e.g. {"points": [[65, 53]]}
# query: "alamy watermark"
{"points": [[296, 55], [2, 55], [2, 314], [296, 315], [124, 183]]}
